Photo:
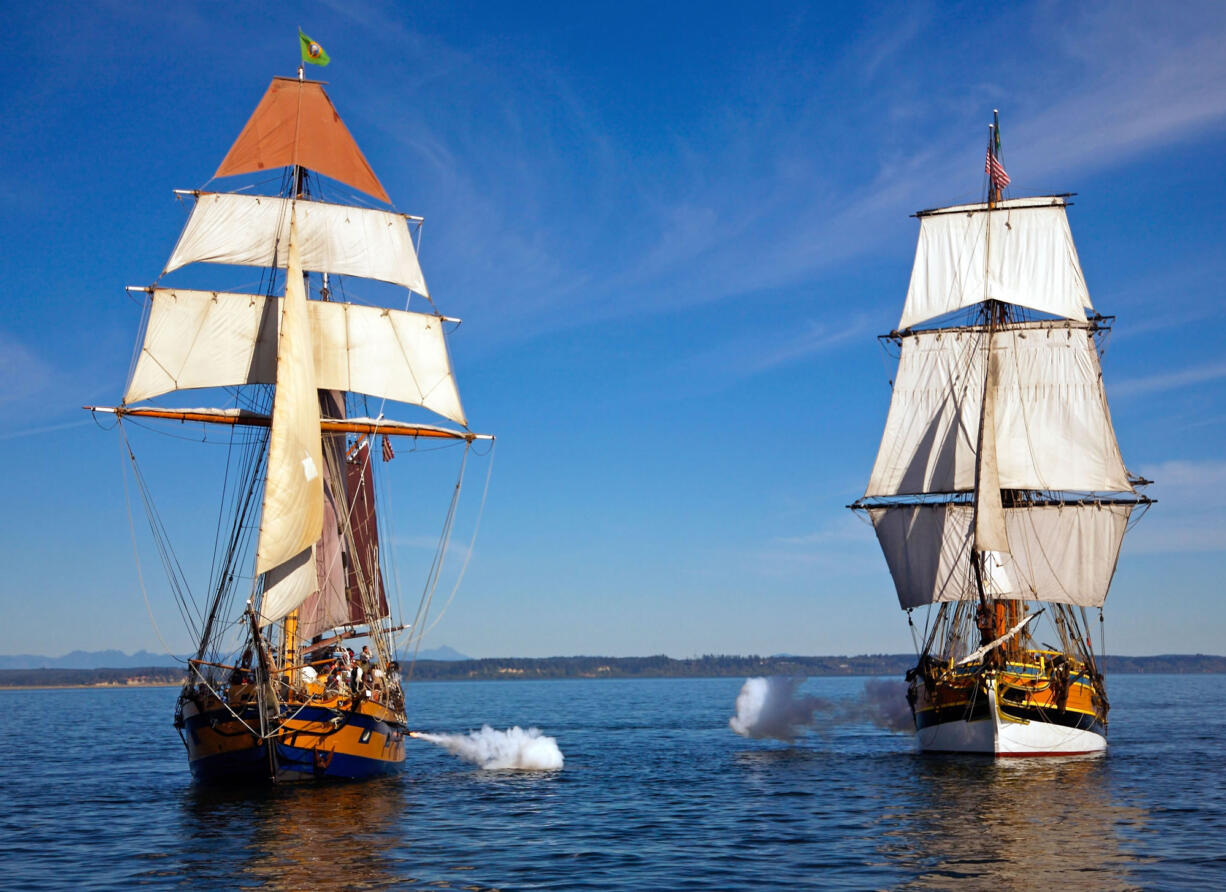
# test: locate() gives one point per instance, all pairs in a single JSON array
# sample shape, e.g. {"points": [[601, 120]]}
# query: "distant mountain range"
{"points": [[91, 659], [444, 663], [143, 659]]}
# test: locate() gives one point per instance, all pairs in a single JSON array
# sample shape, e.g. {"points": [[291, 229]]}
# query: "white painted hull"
{"points": [[1001, 736]]}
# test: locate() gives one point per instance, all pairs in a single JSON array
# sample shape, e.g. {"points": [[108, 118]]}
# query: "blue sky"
{"points": [[673, 232]]}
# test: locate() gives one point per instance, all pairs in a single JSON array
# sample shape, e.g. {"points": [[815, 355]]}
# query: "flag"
{"points": [[311, 51], [388, 454], [993, 168]]}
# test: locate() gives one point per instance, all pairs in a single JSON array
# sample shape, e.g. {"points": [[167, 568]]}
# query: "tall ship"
{"points": [[296, 672], [999, 495]]}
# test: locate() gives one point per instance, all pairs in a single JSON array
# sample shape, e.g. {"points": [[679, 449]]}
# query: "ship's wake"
{"points": [[773, 707], [511, 750]]}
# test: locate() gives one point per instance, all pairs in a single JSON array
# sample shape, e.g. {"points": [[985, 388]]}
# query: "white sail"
{"points": [[292, 516], [387, 353], [217, 339], [1053, 429], [1061, 553], [1021, 252], [990, 535], [287, 585], [253, 230]]}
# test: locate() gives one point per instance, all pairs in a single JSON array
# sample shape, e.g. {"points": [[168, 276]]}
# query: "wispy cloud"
{"points": [[844, 544], [24, 372], [755, 195], [761, 350], [1164, 381]]}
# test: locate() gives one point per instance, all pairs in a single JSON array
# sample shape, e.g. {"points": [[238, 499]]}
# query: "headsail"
{"points": [[292, 516], [990, 535]]}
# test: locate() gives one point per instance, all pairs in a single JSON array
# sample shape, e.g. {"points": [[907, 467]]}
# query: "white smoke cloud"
{"points": [[771, 707], [512, 749], [885, 705]]}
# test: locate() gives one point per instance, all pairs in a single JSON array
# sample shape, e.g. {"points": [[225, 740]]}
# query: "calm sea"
{"points": [[657, 793]]}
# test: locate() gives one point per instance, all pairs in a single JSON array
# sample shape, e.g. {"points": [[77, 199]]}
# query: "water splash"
{"points": [[512, 749], [772, 707]]}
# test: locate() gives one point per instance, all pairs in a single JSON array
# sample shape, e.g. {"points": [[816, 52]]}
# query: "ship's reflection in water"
{"points": [[1010, 824], [304, 836]]}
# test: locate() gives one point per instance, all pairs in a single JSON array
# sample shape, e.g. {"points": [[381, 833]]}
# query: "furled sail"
{"points": [[292, 517], [1020, 252], [1062, 553], [253, 230], [296, 124], [1053, 430], [216, 339]]}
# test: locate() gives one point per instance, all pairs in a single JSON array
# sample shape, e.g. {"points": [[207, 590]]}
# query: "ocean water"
{"points": [[656, 793]]}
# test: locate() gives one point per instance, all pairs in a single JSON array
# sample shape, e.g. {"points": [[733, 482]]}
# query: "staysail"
{"points": [[326, 607], [364, 582], [292, 517]]}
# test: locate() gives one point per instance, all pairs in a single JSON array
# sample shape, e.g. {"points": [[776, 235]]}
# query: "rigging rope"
{"points": [[140, 576], [468, 553]]}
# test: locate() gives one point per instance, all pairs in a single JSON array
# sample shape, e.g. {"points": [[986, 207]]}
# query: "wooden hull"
{"points": [[1021, 709], [317, 741]]}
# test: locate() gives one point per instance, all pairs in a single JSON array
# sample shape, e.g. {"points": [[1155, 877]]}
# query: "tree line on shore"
{"points": [[706, 666]]}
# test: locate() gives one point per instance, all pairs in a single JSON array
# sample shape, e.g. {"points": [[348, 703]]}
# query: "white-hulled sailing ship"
{"points": [[999, 495], [273, 691]]}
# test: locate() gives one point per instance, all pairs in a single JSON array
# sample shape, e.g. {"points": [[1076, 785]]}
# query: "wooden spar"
{"points": [[982, 208], [196, 193], [344, 636], [327, 425]]}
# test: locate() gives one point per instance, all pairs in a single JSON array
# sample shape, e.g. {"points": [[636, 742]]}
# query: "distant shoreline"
{"points": [[100, 686], [550, 668]]}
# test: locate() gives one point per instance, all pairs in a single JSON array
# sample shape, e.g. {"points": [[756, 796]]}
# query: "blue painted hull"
{"points": [[221, 749]]}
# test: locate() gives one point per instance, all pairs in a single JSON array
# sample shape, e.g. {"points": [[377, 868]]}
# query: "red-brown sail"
{"points": [[364, 562], [296, 124]]}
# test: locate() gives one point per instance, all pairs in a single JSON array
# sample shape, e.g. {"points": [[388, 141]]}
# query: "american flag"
{"points": [[995, 170], [388, 454]]}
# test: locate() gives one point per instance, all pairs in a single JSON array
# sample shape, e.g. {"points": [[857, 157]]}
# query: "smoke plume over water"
{"points": [[512, 749], [772, 707]]}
